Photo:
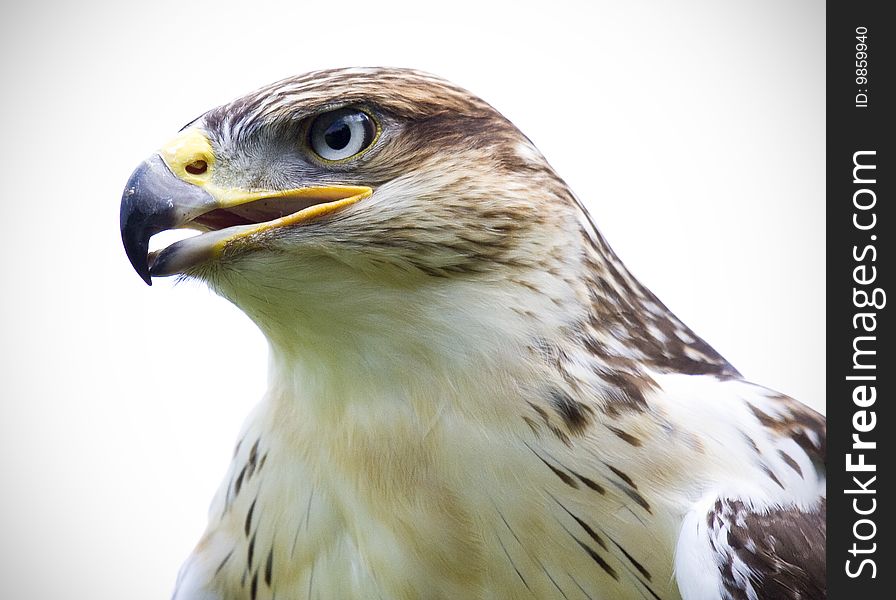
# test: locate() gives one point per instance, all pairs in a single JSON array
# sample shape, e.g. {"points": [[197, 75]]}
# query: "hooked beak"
{"points": [[173, 189]]}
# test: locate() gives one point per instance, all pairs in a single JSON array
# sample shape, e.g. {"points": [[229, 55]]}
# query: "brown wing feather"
{"points": [[784, 549]]}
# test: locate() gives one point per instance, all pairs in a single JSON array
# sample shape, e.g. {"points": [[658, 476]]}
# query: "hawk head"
{"points": [[393, 210], [349, 191]]}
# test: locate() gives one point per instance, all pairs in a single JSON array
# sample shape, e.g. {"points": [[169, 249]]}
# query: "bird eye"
{"points": [[342, 133]]}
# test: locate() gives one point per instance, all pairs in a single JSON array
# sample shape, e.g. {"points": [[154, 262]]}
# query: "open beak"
{"points": [[173, 189]]}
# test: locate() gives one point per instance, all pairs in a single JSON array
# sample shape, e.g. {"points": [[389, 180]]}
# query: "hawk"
{"points": [[470, 395]]}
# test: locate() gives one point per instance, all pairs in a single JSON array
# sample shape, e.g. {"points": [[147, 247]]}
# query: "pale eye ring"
{"points": [[341, 134]]}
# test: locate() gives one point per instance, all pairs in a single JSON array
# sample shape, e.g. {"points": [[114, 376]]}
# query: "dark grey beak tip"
{"points": [[140, 220], [134, 232], [147, 208], [155, 200]]}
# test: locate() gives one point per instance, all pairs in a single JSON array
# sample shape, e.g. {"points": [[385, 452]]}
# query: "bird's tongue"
{"points": [[259, 211]]}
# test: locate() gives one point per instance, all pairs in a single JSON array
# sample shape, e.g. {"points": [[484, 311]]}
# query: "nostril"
{"points": [[197, 167]]}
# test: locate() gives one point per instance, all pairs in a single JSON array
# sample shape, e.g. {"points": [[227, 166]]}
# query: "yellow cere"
{"points": [[187, 148]]}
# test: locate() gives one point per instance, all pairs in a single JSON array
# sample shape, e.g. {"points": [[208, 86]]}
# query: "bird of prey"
{"points": [[470, 396]]}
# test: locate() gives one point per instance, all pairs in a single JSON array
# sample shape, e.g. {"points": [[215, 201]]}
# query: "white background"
{"points": [[693, 129]]}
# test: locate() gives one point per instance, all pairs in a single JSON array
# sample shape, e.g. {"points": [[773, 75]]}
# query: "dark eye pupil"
{"points": [[341, 134], [338, 135]]}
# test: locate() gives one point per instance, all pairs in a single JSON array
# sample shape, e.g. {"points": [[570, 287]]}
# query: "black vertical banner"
{"points": [[861, 302]]}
